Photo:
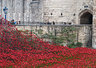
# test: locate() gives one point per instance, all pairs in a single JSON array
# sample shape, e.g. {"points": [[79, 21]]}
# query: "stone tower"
{"points": [[26, 11]]}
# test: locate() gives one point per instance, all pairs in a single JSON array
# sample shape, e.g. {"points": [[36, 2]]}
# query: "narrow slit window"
{"points": [[51, 14], [61, 14]]}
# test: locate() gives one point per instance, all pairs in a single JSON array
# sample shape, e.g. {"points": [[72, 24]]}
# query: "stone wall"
{"points": [[65, 10], [29, 11], [83, 34]]}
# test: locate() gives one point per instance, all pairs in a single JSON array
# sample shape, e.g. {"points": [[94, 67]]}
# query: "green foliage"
{"points": [[74, 45], [40, 31], [45, 36], [67, 35], [79, 44], [71, 45]]}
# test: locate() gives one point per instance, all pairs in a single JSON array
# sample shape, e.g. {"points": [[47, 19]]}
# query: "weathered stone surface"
{"points": [[58, 11], [45, 10], [85, 36]]}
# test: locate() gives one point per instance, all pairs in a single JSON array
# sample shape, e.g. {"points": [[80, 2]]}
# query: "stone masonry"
{"points": [[61, 12], [46, 10]]}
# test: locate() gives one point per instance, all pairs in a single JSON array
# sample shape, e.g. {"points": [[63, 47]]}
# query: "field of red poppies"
{"points": [[18, 50]]}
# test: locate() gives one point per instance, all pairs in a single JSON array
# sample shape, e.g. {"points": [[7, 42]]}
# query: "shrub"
{"points": [[71, 45], [74, 45], [78, 44], [67, 35]]}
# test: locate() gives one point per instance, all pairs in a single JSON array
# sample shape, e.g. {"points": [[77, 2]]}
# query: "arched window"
{"points": [[86, 17]]}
